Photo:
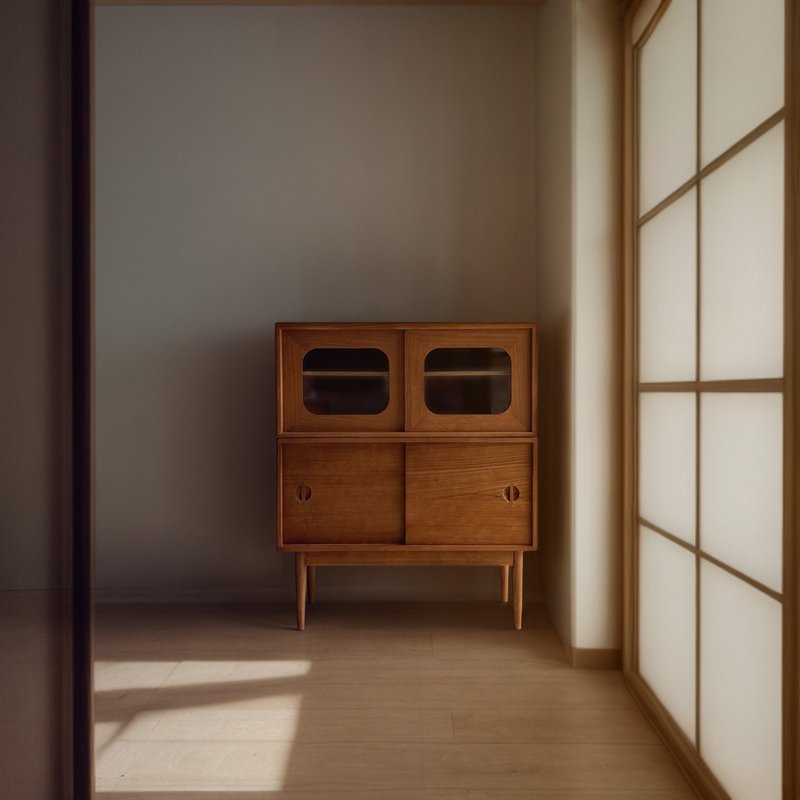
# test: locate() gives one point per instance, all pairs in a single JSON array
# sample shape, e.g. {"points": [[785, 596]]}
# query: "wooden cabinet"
{"points": [[406, 444]]}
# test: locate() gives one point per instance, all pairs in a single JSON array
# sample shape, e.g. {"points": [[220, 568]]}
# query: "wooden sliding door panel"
{"points": [[342, 493], [711, 575], [461, 380], [339, 380], [471, 493]]}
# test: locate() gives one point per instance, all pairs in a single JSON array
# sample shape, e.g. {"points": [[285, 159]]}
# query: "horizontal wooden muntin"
{"points": [[754, 385]]}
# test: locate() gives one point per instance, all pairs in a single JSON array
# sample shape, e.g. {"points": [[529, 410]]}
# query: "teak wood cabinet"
{"points": [[406, 444]]}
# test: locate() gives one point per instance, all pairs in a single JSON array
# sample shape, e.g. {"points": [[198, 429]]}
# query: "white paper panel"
{"points": [[741, 482], [668, 113], [667, 461], [642, 17], [667, 625], [741, 264], [742, 69], [668, 293], [740, 685]]}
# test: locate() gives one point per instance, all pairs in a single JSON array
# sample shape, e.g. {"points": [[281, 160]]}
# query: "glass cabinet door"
{"points": [[348, 379], [470, 380]]}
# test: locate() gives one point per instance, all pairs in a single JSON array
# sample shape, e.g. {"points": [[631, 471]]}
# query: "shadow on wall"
{"points": [[555, 467], [186, 467]]}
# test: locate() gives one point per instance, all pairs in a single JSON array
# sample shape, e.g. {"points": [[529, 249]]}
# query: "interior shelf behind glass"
{"points": [[468, 380], [345, 380]]}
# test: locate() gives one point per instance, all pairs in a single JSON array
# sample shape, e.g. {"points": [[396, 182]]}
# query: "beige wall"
{"points": [[257, 164], [578, 296], [597, 326], [34, 661]]}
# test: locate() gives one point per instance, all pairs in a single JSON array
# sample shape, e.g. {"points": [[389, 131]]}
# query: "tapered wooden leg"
{"points": [[518, 589], [312, 576], [504, 573], [300, 586]]}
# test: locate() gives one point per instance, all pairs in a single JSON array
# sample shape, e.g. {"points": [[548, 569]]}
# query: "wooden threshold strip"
{"points": [[735, 149], [770, 385], [711, 560], [686, 755]]}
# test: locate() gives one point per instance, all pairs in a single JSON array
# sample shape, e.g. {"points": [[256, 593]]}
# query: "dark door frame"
{"points": [[77, 35]]}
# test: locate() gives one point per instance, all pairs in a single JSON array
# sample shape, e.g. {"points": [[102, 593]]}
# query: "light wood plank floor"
{"points": [[408, 701]]}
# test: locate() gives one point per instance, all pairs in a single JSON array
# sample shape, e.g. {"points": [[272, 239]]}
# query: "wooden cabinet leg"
{"points": [[504, 574], [300, 586], [518, 589], [312, 576]]}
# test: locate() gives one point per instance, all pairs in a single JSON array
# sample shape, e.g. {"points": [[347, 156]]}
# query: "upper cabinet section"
{"points": [[470, 379], [439, 378], [339, 379]]}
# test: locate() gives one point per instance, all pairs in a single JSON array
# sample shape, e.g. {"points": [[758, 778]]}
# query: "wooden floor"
{"points": [[392, 701]]}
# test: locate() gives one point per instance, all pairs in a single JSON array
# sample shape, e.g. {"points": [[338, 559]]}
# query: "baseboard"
{"points": [[698, 774], [594, 658]]}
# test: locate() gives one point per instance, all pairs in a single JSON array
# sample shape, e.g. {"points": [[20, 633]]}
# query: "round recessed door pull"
{"points": [[303, 493], [511, 493]]}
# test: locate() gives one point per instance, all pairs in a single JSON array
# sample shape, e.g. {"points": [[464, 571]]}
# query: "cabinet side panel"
{"points": [[535, 491], [279, 380], [342, 493], [469, 494], [534, 380]]}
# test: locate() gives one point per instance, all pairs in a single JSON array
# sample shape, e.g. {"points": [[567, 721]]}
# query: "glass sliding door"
{"points": [[708, 267]]}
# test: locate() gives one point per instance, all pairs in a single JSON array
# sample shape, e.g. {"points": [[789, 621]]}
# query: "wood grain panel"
{"points": [[517, 342], [354, 493], [455, 494]]}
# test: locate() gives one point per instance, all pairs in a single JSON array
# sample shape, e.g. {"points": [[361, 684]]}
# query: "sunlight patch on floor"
{"points": [[196, 725]]}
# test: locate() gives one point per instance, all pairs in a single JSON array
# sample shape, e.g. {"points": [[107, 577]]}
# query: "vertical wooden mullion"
{"points": [[791, 406], [698, 320], [637, 74], [629, 643]]}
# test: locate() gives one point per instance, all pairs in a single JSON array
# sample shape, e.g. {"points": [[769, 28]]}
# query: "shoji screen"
{"points": [[707, 208]]}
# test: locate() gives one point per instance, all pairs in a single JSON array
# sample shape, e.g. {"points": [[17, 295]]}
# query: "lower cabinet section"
{"points": [[335, 493], [469, 493], [407, 503]]}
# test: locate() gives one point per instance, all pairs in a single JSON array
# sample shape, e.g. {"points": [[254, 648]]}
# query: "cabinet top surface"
{"points": [[407, 325]]}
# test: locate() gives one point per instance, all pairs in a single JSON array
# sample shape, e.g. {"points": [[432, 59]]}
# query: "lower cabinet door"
{"points": [[342, 493], [468, 494]]}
